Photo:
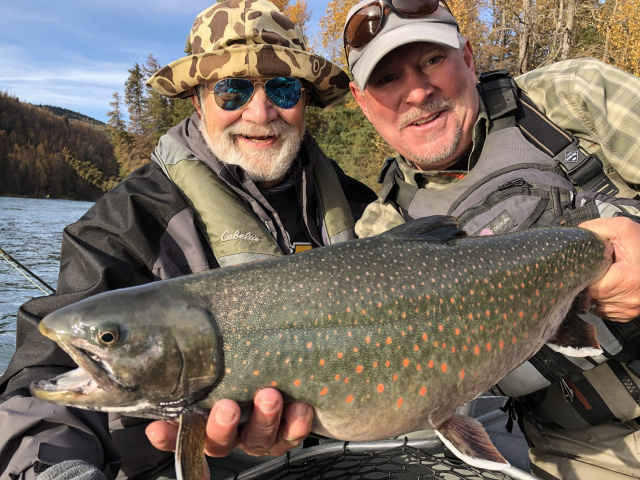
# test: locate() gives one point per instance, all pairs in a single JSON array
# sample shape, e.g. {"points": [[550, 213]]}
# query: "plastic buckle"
{"points": [[585, 171]]}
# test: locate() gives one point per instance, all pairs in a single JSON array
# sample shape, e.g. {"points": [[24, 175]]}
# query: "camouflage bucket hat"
{"points": [[249, 38]]}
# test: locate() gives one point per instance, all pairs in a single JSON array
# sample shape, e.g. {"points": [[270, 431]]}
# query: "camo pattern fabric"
{"points": [[249, 38]]}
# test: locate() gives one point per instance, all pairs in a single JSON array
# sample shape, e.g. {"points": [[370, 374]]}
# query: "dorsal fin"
{"points": [[437, 228]]}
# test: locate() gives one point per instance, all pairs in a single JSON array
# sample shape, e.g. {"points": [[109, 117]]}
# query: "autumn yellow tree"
{"points": [[620, 25], [297, 11]]}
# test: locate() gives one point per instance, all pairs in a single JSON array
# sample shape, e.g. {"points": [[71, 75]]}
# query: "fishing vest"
{"points": [[531, 173], [234, 232]]}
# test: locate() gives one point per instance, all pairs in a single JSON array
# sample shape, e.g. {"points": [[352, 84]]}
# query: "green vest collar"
{"points": [[233, 229]]}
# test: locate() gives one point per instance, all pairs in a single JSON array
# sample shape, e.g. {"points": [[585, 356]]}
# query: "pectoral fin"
{"points": [[469, 441], [190, 460], [575, 338]]}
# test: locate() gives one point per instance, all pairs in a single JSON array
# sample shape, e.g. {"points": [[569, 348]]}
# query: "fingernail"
{"points": [[224, 417], [301, 409], [269, 406]]}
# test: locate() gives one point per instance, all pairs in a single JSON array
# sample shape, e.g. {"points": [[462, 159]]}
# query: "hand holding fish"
{"points": [[617, 293], [271, 430]]}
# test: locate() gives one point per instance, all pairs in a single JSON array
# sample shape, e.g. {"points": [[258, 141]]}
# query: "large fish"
{"points": [[381, 336]]}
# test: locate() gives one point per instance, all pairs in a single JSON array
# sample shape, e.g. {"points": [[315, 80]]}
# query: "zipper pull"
{"points": [[518, 182], [568, 393]]}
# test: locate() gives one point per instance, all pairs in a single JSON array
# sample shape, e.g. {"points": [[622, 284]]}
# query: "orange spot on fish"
{"points": [[471, 316], [400, 402], [324, 391], [416, 348], [425, 337], [453, 300], [501, 344], [453, 349], [388, 341], [462, 373], [375, 364], [350, 399], [457, 330], [464, 347], [340, 355], [488, 345], [256, 373], [405, 362], [440, 327], [387, 363], [514, 340], [476, 350], [395, 377], [418, 367], [368, 340], [521, 314], [423, 391], [346, 380], [336, 376], [321, 362], [359, 369], [296, 383], [443, 367], [274, 383], [309, 344]]}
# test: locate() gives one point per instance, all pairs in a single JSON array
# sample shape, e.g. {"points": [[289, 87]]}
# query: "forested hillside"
{"points": [[32, 140]]}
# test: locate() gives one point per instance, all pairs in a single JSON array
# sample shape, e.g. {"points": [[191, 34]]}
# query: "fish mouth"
{"points": [[92, 379]]}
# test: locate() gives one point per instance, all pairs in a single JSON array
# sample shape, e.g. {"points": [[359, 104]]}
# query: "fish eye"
{"points": [[108, 337]]}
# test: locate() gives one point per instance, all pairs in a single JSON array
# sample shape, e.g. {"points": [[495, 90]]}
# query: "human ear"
{"points": [[195, 101], [359, 96]]}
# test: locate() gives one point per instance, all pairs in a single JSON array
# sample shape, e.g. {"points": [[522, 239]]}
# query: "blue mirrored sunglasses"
{"points": [[234, 93]]}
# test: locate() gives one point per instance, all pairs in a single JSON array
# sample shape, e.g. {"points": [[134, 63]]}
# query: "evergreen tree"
{"points": [[134, 98]]}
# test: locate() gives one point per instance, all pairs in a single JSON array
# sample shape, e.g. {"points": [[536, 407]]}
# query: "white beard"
{"points": [[263, 165]]}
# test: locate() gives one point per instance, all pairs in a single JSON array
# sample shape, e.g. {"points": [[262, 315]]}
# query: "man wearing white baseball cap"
{"points": [[556, 146]]}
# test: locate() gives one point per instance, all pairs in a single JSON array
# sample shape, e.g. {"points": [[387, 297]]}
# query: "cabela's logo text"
{"points": [[227, 236]]}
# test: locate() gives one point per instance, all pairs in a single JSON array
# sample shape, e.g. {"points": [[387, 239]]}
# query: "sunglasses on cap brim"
{"points": [[367, 21], [234, 93]]}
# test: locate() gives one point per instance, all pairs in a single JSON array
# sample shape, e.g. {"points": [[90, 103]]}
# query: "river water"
{"points": [[31, 232]]}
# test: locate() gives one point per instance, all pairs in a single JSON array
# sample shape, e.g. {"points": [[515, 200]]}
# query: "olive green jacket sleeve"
{"points": [[597, 103]]}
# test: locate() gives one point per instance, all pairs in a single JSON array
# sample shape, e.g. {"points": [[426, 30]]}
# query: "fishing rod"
{"points": [[17, 265]]}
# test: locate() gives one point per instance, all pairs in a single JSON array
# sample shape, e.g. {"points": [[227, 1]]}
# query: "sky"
{"points": [[75, 53]]}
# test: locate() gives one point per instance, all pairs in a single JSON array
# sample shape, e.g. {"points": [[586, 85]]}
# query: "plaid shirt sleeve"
{"points": [[378, 218], [597, 103]]}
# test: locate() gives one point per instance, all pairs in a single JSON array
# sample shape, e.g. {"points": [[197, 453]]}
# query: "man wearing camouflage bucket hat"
{"points": [[238, 181]]}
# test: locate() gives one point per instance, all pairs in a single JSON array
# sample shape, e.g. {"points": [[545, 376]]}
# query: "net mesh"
{"points": [[409, 461]]}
